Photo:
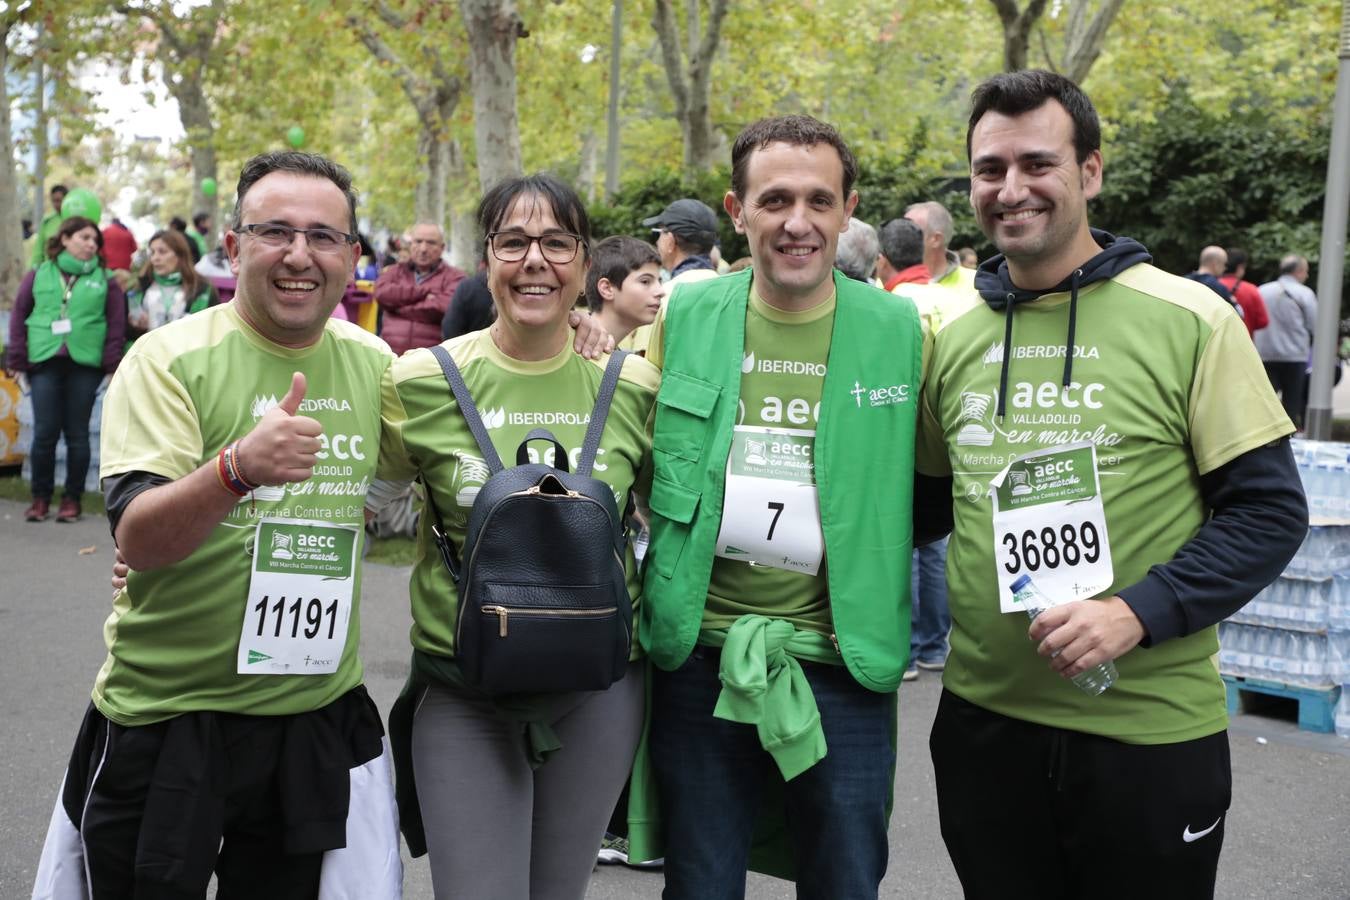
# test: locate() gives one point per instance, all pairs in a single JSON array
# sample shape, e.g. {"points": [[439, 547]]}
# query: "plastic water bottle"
{"points": [[1093, 681]]}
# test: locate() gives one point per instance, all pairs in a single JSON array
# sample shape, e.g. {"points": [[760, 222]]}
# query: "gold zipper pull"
{"points": [[501, 613]]}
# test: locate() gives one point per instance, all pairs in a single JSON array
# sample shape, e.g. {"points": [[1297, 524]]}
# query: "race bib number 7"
{"points": [[1049, 523], [299, 598], [771, 512]]}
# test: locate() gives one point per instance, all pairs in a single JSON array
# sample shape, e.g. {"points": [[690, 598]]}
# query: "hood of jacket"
{"points": [[999, 293]]}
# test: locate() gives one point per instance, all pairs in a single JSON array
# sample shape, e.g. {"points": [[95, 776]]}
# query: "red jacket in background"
{"points": [[413, 311], [119, 245], [1246, 295]]}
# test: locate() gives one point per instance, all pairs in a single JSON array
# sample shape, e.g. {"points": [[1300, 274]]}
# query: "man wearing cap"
{"points": [[685, 233]]}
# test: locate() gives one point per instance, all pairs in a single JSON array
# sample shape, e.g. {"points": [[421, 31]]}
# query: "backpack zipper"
{"points": [[504, 612]]}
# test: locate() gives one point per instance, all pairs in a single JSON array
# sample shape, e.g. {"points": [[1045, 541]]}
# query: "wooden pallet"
{"points": [[1316, 705]]}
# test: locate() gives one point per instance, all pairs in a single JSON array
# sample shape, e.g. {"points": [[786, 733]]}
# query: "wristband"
{"points": [[230, 472], [222, 475]]}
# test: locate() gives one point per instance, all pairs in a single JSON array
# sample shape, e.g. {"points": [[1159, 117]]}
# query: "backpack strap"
{"points": [[601, 411], [467, 408]]}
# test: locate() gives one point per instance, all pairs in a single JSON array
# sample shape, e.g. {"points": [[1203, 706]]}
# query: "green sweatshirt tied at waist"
{"points": [[764, 685]]}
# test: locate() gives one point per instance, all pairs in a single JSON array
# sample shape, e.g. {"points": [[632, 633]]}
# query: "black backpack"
{"points": [[543, 602]]}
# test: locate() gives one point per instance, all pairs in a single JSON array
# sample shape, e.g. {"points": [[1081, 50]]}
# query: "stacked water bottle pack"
{"points": [[1297, 631]]}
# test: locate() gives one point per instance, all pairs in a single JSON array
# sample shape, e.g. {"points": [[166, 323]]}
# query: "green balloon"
{"points": [[82, 202], [295, 136], [208, 187]]}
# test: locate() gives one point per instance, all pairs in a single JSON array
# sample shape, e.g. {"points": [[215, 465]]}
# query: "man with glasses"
{"points": [[415, 294], [229, 729]]}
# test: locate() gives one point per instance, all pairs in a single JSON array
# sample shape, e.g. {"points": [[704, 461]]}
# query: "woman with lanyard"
{"points": [[169, 286], [66, 333], [510, 798]]}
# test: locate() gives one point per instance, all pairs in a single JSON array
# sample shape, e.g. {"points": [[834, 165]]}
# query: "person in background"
{"points": [[1245, 294], [1286, 341], [177, 224], [119, 246], [47, 227], [471, 309], [968, 257], [200, 232], [857, 253], [414, 295], [169, 286], [67, 331], [623, 287]]}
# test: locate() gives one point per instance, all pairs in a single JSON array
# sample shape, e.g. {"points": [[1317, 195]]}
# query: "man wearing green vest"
{"points": [[776, 595], [1112, 437]]}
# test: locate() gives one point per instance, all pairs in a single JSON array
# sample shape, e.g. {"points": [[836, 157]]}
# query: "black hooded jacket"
{"points": [[1258, 513]]}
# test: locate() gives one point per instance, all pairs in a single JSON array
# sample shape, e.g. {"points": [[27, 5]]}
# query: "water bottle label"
{"points": [[1049, 523]]}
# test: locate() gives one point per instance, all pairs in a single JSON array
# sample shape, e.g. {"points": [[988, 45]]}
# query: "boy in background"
{"points": [[623, 288]]}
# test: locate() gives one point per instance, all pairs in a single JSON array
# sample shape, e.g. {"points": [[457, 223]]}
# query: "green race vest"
{"points": [[864, 468], [89, 324]]}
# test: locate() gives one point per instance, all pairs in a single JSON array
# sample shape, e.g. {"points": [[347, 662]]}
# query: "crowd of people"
{"points": [[837, 463]]}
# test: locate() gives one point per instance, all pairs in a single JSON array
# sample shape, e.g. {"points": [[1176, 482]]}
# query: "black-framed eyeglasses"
{"points": [[320, 240], [512, 246]]}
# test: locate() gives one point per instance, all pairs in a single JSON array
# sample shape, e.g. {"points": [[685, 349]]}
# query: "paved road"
{"points": [[1286, 832]]}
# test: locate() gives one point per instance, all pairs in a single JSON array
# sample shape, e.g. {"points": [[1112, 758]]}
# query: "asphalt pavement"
{"points": [[1286, 832]]}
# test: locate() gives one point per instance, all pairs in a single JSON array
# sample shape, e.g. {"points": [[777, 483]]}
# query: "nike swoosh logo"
{"points": [[1189, 835]]}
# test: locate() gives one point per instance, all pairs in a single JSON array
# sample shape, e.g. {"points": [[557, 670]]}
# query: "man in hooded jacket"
{"points": [[1111, 434]]}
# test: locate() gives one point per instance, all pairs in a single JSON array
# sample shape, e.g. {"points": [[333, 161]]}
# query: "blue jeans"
{"points": [[63, 399], [713, 774], [930, 619]]}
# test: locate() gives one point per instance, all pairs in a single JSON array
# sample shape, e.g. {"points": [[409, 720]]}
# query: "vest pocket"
{"points": [[683, 406], [674, 506]]}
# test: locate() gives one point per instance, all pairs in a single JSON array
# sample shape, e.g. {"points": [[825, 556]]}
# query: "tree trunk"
{"points": [[195, 113], [690, 81], [1017, 27], [494, 26], [434, 150], [1083, 40], [11, 233]]}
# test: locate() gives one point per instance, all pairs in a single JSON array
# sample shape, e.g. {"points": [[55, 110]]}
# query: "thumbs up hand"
{"points": [[283, 447]]}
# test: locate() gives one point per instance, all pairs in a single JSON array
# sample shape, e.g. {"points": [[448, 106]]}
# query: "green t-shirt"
{"points": [[425, 435], [1167, 385], [781, 378], [183, 392]]}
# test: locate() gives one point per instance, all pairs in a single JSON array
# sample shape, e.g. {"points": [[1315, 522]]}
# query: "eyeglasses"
{"points": [[513, 246], [320, 240]]}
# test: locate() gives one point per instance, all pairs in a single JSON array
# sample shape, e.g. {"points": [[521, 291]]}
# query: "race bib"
{"points": [[770, 512], [61, 326], [1049, 523], [299, 598]]}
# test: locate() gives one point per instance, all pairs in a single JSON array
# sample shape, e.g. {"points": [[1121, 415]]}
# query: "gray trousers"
{"points": [[497, 830]]}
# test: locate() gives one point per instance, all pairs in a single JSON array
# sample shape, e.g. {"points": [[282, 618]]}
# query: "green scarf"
{"points": [[72, 266], [171, 279]]}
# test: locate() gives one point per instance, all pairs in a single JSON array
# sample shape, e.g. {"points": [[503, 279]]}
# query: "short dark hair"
{"points": [[67, 228], [800, 131], [200, 218], [300, 163], [58, 187], [1015, 93], [567, 206], [615, 258], [1236, 259], [902, 243]]}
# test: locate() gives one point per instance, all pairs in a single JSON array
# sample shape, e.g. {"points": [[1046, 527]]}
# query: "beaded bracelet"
{"points": [[230, 473]]}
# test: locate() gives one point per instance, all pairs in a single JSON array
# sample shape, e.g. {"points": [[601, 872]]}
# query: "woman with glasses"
{"points": [[66, 333], [169, 287], [510, 798]]}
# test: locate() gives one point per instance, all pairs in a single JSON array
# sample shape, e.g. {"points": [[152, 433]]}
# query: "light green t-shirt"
{"points": [[1167, 385], [781, 378], [425, 435], [183, 392]]}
